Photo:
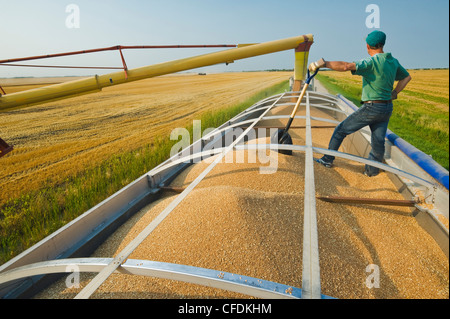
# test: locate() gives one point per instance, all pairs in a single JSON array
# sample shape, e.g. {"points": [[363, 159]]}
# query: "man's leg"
{"points": [[351, 124], [378, 146]]}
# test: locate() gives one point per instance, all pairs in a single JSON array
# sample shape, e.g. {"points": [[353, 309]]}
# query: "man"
{"points": [[379, 73]]}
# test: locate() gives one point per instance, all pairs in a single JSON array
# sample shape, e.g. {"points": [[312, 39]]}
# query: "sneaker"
{"points": [[323, 162]]}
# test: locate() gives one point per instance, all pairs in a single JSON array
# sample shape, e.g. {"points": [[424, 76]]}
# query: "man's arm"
{"points": [[400, 86], [333, 65], [340, 66]]}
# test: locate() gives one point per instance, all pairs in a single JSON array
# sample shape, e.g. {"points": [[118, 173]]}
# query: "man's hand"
{"points": [[314, 66], [394, 95]]}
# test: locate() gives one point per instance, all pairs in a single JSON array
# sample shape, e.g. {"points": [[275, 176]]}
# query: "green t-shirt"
{"points": [[379, 73]]}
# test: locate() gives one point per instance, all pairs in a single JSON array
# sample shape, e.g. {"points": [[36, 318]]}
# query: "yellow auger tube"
{"points": [[96, 83]]}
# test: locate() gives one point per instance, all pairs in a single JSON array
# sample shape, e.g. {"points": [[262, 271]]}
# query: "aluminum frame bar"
{"points": [[343, 155], [274, 117], [196, 275], [302, 148], [311, 267], [319, 106]]}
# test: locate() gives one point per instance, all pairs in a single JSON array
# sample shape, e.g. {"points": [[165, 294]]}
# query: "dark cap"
{"points": [[375, 38]]}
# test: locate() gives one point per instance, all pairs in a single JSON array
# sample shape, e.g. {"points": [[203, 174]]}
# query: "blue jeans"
{"points": [[376, 116]]}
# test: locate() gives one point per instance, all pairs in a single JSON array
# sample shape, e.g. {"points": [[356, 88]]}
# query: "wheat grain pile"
{"points": [[243, 222]]}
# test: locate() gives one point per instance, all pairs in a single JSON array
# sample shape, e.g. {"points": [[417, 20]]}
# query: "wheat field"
{"points": [[56, 140]]}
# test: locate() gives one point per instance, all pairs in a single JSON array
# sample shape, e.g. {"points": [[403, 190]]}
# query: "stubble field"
{"points": [[55, 140]]}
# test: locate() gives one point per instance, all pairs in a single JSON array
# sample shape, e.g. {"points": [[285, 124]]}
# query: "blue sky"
{"points": [[417, 31]]}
